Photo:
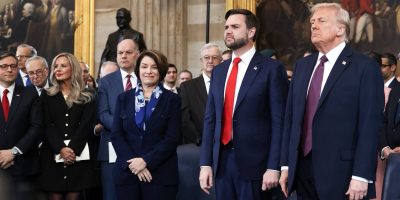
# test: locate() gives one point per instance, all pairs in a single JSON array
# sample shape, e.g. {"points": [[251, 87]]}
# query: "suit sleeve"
{"points": [[370, 120], [166, 147], [206, 150], [189, 131], [104, 108], [85, 128], [278, 89], [34, 134], [118, 134]]}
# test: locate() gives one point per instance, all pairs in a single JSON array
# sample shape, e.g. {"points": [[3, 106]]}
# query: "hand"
{"points": [[6, 157], [357, 190], [98, 128], [136, 165], [270, 179], [387, 151], [145, 175], [205, 178], [283, 181], [68, 155], [8, 165], [396, 150]]}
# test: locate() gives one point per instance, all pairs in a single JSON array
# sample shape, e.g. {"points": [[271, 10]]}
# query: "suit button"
{"points": [[66, 135], [66, 115], [65, 177], [66, 124], [65, 166]]}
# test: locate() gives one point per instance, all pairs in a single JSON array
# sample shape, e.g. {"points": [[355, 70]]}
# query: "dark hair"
{"points": [[173, 66], [376, 56], [126, 12], [251, 19], [186, 71], [392, 58], [5, 54], [160, 60], [227, 51]]}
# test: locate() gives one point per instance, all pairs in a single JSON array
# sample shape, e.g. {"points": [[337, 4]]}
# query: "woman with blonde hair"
{"points": [[66, 156]]}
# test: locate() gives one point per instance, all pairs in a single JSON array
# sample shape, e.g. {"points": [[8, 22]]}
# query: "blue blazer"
{"points": [[346, 124], [157, 145], [257, 118], [110, 87]]}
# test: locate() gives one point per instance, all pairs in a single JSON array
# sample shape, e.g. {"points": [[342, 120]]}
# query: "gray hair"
{"points": [[342, 16], [209, 46], [31, 48], [41, 59]]}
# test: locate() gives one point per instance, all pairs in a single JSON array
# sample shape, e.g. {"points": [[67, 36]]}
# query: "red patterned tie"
{"points": [[228, 104], [314, 93], [128, 83], [5, 104]]}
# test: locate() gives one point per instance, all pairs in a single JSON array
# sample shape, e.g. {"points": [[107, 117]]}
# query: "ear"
{"points": [[251, 32], [341, 30], [393, 68]]}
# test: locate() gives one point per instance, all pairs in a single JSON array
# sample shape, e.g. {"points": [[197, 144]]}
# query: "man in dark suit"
{"points": [[124, 32], [38, 72], [194, 95], [388, 68], [170, 79], [244, 117], [20, 128], [24, 51], [333, 116], [110, 87], [194, 98]]}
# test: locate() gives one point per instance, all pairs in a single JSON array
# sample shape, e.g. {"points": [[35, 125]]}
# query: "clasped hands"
{"points": [[68, 155], [139, 167]]}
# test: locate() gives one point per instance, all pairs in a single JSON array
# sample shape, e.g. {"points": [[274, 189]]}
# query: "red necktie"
{"points": [[128, 83], [228, 104], [5, 104], [314, 93]]}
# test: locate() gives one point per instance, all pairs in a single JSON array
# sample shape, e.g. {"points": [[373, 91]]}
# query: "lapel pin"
{"points": [[344, 62], [255, 68], [17, 95]]}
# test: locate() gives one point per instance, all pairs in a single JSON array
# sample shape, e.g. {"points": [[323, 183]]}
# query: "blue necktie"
{"points": [[28, 81]]}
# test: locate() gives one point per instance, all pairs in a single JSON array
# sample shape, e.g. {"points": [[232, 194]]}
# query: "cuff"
{"points": [[19, 150], [383, 157], [284, 168], [361, 179]]}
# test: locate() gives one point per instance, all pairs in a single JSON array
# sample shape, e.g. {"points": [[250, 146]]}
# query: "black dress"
{"points": [[74, 124]]}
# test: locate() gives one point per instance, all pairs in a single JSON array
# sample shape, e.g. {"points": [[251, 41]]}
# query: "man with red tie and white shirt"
{"points": [[110, 87], [244, 117]]}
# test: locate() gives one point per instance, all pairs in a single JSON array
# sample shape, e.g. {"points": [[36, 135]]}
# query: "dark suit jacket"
{"points": [[24, 130], [257, 117], [394, 84], [346, 123], [391, 130], [110, 87], [194, 99], [19, 80], [157, 145]]}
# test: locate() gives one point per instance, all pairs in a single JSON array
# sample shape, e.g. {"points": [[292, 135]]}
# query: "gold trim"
{"points": [[84, 33], [246, 4]]}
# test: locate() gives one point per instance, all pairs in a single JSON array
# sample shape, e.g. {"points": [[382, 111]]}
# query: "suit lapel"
{"points": [[201, 87], [130, 108], [117, 83], [305, 78], [15, 102], [340, 65], [158, 110], [249, 78], [220, 86]]}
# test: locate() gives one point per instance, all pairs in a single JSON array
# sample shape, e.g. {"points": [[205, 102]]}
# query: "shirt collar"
{"points": [[206, 78], [246, 57], [23, 74], [124, 74], [169, 88], [10, 89], [389, 81], [333, 54]]}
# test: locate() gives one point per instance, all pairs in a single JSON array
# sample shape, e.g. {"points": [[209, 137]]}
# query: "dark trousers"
{"points": [[304, 180], [229, 184], [146, 191], [107, 181]]}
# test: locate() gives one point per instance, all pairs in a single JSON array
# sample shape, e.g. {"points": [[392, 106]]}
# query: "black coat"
{"points": [[74, 124]]}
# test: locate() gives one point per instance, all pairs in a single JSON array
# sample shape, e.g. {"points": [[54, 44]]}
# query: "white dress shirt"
{"points": [[172, 89], [24, 77], [9, 94], [206, 81], [125, 79]]}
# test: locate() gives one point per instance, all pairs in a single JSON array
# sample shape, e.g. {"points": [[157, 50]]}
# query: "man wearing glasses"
{"points": [[24, 52], [388, 68], [20, 129], [38, 72]]}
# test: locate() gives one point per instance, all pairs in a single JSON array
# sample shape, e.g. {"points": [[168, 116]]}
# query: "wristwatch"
{"points": [[15, 151]]}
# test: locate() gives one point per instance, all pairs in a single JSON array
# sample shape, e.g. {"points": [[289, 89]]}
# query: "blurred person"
{"points": [[91, 83], [24, 51], [226, 55], [85, 72], [108, 67], [149, 170], [185, 75], [170, 79], [388, 69], [67, 156], [38, 72]]}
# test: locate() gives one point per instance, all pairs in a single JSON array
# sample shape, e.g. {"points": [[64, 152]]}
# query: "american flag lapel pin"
{"points": [[344, 63], [255, 67]]}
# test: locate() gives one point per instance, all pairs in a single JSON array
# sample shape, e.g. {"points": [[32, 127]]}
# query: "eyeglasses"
{"points": [[6, 66], [213, 58], [22, 56], [38, 72], [385, 65]]}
